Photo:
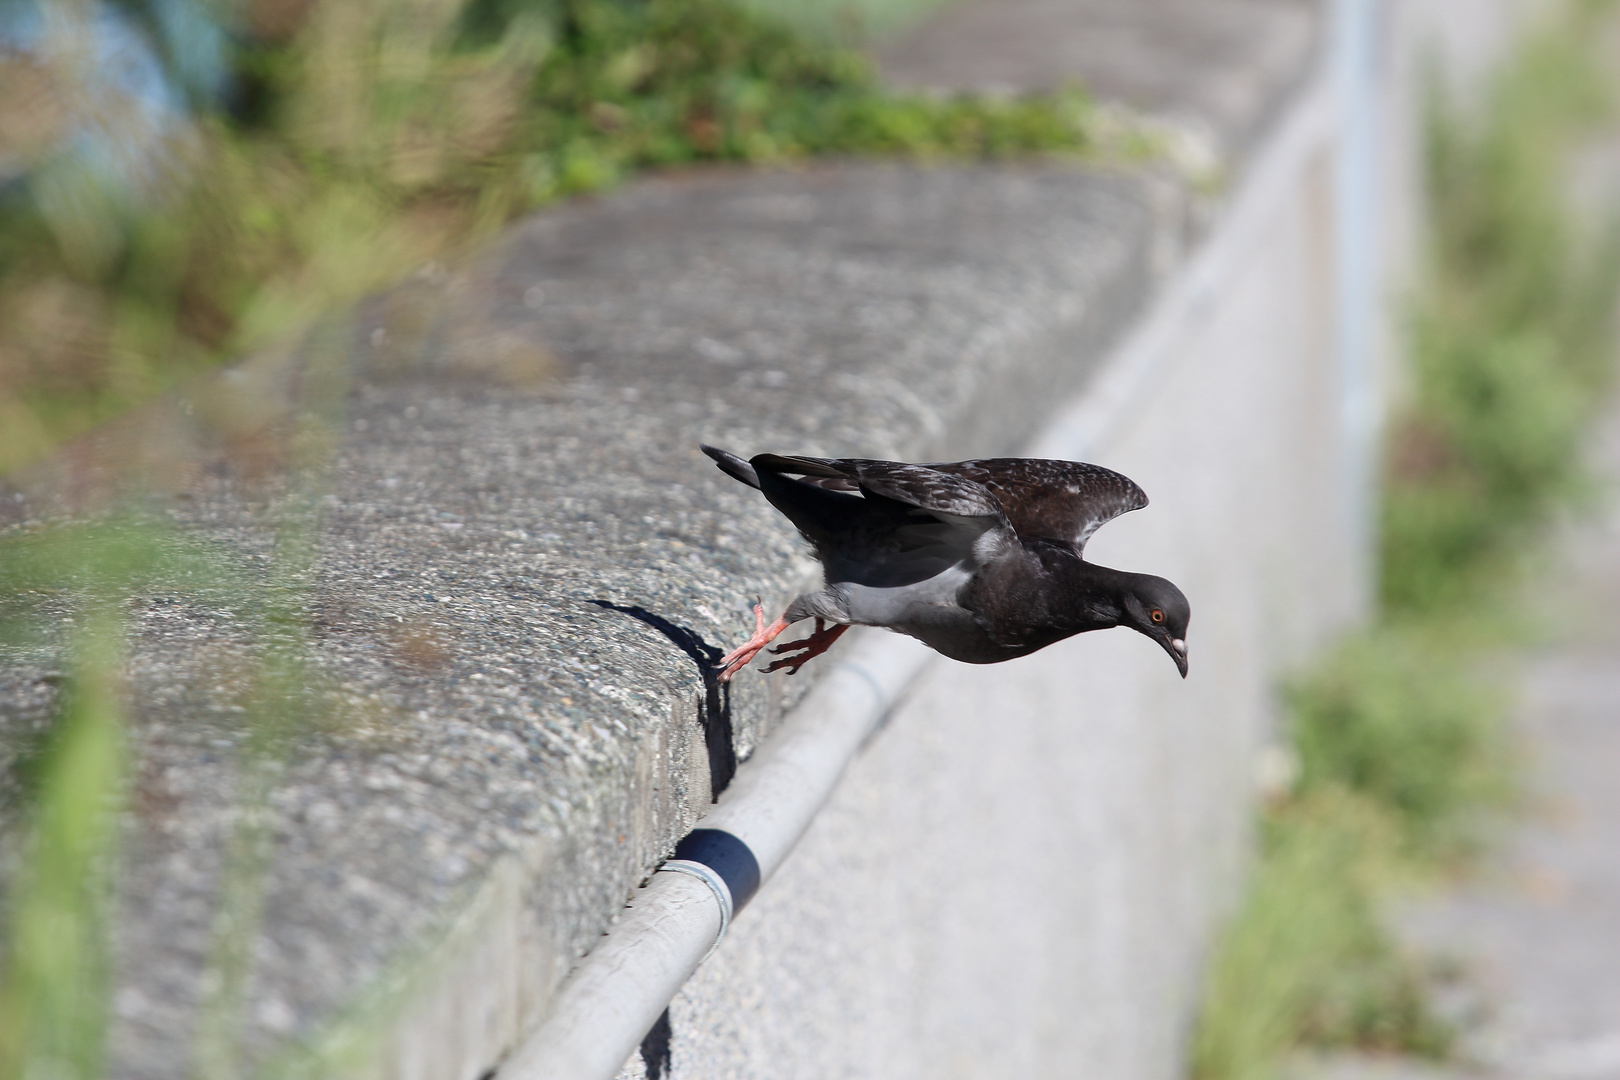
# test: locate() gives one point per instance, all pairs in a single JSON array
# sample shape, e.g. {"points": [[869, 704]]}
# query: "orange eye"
{"points": [[1158, 616]]}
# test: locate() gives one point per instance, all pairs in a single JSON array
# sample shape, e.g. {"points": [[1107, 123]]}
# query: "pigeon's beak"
{"points": [[1177, 648]]}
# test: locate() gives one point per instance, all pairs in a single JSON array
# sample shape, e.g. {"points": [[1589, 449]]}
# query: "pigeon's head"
{"points": [[1155, 607]]}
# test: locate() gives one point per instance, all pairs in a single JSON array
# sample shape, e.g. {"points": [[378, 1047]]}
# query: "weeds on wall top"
{"points": [[342, 143]]}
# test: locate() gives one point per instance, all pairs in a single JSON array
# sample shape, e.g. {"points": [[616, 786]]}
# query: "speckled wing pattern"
{"points": [[923, 486], [1065, 501]]}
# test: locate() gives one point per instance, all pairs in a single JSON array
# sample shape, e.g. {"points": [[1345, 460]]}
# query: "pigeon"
{"points": [[980, 560]]}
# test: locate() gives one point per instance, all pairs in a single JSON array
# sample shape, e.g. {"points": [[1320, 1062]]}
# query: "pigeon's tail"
{"points": [[732, 465]]}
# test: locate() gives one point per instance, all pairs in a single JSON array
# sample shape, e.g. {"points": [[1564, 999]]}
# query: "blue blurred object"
{"points": [[123, 78], [189, 38], [125, 71]]}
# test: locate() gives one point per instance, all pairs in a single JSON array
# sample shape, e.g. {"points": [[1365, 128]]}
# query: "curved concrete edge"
{"points": [[779, 790], [673, 923], [1146, 351]]}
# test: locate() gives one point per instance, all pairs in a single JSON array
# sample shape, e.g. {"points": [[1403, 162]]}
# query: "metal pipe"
{"points": [[1355, 29], [674, 922]]}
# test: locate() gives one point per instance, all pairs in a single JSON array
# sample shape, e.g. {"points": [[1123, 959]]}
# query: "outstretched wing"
{"points": [[884, 522], [1065, 501]]}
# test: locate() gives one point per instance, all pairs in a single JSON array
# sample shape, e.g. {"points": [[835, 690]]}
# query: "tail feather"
{"points": [[805, 466], [732, 465]]}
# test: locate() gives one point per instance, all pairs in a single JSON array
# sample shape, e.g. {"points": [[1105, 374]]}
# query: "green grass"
{"points": [[53, 992], [1308, 960], [1405, 761], [1403, 764], [55, 952], [55, 965], [1409, 725], [368, 139], [1512, 336], [844, 20]]}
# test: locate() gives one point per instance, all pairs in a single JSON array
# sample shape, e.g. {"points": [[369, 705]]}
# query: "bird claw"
{"points": [[807, 648], [738, 658], [792, 663]]}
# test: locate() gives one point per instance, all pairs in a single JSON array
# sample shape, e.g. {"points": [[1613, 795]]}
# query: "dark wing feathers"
{"points": [[826, 473], [928, 489], [803, 466], [1065, 501], [904, 524], [914, 485]]}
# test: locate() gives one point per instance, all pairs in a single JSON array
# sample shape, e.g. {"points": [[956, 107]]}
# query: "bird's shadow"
{"points": [[716, 718]]}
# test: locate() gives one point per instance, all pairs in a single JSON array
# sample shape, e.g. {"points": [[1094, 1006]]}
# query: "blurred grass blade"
{"points": [[284, 702], [54, 989]]}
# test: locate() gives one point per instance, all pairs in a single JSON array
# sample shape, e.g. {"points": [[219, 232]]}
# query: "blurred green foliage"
{"points": [[848, 21], [1404, 758], [1513, 338], [1308, 961], [53, 992], [76, 585], [1404, 722], [364, 138], [56, 961], [668, 83]]}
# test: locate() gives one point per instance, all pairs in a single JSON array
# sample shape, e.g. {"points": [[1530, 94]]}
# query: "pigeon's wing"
{"points": [[885, 523], [921, 486], [1065, 501], [929, 489]]}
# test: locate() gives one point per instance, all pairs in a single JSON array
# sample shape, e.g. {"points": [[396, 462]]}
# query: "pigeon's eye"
{"points": [[1158, 616]]}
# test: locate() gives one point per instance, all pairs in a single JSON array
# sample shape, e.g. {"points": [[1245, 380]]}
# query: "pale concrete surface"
{"points": [[1540, 933]]}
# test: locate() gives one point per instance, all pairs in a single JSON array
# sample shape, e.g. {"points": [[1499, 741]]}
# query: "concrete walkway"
{"points": [[1537, 934]]}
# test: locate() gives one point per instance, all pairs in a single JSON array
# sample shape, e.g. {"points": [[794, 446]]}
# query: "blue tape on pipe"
{"points": [[727, 856]]}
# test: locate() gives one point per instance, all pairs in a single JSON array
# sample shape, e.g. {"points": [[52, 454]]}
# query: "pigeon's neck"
{"points": [[1044, 594], [1101, 591], [1081, 595]]}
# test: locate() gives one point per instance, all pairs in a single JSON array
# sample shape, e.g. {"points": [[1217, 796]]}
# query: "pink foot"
{"points": [[735, 660], [814, 645]]}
